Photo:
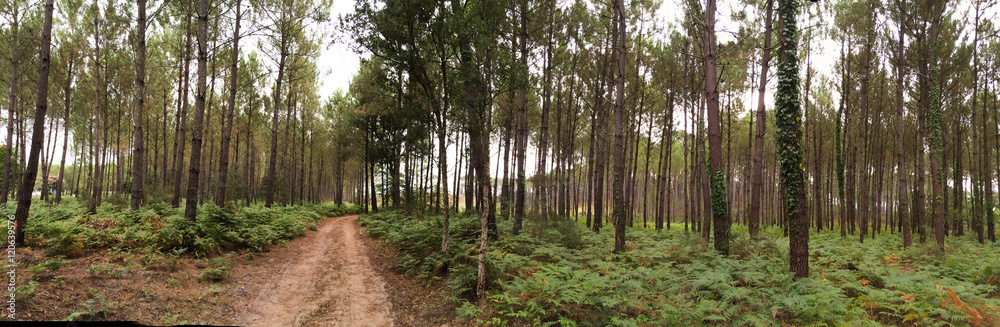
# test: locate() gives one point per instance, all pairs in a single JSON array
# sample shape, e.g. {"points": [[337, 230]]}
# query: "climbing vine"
{"points": [[788, 119], [719, 207]]}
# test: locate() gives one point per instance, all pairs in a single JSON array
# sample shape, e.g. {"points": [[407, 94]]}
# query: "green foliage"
{"points": [[66, 229], [331, 209], [788, 111], [217, 272], [670, 278], [106, 269], [170, 319], [96, 307], [23, 292], [50, 265], [720, 210]]}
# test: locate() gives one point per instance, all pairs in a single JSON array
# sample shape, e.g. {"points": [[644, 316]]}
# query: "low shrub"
{"points": [[557, 273], [106, 269], [51, 265], [66, 229], [217, 272]]}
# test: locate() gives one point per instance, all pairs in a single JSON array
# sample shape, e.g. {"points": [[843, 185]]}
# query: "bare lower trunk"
{"points": [[757, 178], [901, 172], [138, 146], [619, 200], [227, 131], [194, 172], [38, 129]]}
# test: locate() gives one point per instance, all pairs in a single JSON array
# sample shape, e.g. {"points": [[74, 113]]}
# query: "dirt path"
{"points": [[329, 282]]}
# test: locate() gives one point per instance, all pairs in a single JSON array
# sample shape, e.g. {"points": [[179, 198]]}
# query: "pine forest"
{"points": [[501, 163]]}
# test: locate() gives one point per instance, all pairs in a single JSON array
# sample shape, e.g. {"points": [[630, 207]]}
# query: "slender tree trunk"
{"points": [[99, 138], [191, 207], [138, 146], [789, 142], [935, 138], [758, 152], [839, 148], [67, 92], [863, 198], [11, 108], [619, 209], [231, 104], [601, 159], [704, 187], [852, 158], [522, 133], [983, 171], [47, 153], [180, 138], [720, 209], [591, 159], [990, 219], [900, 165], [543, 136], [38, 128], [661, 176], [273, 159], [166, 155], [203, 185], [442, 107]]}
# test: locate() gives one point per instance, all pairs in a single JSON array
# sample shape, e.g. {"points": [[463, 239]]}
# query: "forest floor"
{"points": [[333, 276]]}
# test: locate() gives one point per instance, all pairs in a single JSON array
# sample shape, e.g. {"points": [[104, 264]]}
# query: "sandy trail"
{"points": [[329, 282]]}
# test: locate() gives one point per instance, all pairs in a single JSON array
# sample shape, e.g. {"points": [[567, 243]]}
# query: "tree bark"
{"points": [[522, 128], [194, 172], [935, 137], [717, 178], [11, 108], [273, 157], [901, 172], [138, 146], [619, 208], [758, 153], [180, 138], [38, 129], [788, 137], [543, 136], [227, 131], [67, 92]]}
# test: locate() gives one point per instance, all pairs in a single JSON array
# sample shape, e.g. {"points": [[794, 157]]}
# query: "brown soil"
{"points": [[334, 276]]}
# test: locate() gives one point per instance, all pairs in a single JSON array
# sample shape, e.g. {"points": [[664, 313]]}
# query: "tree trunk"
{"points": [[67, 91], [182, 117], [619, 209], [901, 172], [839, 147], [935, 132], [227, 131], [99, 138], [758, 153], [789, 142], [273, 158], [38, 129], [863, 198], [522, 128], [138, 146], [11, 108], [717, 178], [191, 207], [543, 136], [47, 153]]}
